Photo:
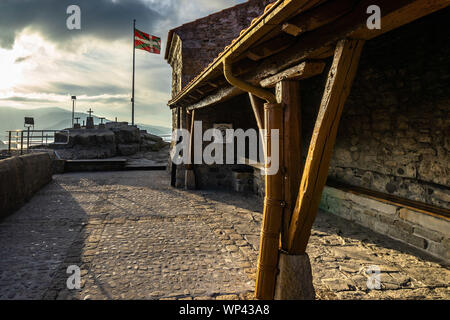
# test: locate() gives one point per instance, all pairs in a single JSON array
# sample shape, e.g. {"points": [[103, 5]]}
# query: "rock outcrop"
{"points": [[116, 139]]}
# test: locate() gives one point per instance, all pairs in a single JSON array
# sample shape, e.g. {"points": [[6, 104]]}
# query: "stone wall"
{"points": [[393, 135], [235, 112], [176, 62], [395, 128], [20, 178], [423, 231], [203, 39]]}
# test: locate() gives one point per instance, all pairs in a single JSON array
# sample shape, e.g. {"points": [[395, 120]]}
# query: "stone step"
{"points": [[95, 165], [145, 167]]}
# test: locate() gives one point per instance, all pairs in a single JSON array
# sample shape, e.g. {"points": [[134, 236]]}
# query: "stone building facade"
{"points": [[192, 46], [390, 170]]}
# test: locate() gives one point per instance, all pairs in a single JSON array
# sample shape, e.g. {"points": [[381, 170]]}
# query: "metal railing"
{"points": [[20, 140]]}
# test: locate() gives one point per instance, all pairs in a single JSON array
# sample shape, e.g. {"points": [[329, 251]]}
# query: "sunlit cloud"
{"points": [[43, 63]]}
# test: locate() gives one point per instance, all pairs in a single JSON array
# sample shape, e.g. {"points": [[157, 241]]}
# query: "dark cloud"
{"points": [[73, 89], [26, 99], [105, 19]]}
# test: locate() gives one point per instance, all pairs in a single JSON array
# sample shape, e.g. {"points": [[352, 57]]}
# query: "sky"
{"points": [[43, 63]]}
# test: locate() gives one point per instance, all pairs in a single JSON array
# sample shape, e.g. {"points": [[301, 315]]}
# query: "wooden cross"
{"points": [[90, 111]]}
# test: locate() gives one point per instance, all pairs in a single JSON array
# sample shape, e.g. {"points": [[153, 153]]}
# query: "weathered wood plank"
{"points": [[271, 47], [318, 16], [219, 96], [337, 89], [304, 70]]}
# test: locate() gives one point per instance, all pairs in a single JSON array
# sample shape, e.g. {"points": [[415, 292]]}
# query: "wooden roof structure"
{"points": [[285, 44], [290, 32]]}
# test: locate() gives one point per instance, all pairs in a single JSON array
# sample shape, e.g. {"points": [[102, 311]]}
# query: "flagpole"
{"points": [[132, 94]]}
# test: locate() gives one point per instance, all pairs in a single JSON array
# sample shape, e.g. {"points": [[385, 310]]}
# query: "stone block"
{"points": [[372, 204], [294, 281], [409, 238], [380, 227], [407, 227], [21, 178], [428, 234], [438, 249], [425, 220], [386, 219], [127, 149], [335, 193]]}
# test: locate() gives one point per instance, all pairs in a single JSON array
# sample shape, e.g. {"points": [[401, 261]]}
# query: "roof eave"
{"points": [[251, 32]]}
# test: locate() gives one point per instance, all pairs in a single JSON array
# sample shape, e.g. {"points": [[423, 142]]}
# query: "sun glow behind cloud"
{"points": [[43, 65], [36, 73]]}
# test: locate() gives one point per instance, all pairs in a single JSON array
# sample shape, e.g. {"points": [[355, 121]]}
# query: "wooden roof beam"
{"points": [[270, 47], [318, 17], [212, 84], [353, 25], [304, 70], [317, 43], [219, 96]]}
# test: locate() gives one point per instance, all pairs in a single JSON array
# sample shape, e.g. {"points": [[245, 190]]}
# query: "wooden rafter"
{"points": [[270, 47], [218, 96], [318, 17], [315, 44], [302, 71], [315, 172], [352, 25]]}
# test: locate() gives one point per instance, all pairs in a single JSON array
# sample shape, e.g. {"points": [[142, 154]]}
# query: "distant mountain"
{"points": [[53, 119]]}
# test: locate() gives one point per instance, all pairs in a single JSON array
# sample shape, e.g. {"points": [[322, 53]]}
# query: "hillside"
{"points": [[53, 118]]}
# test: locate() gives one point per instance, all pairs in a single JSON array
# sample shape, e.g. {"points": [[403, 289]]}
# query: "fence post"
{"points": [[28, 139], [21, 142]]}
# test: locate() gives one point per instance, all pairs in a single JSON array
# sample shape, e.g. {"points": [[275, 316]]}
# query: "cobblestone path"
{"points": [[134, 237]]}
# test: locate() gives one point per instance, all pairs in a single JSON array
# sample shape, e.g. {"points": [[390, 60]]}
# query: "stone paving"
{"points": [[134, 237]]}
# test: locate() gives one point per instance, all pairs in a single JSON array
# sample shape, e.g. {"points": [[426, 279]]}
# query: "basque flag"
{"points": [[146, 42]]}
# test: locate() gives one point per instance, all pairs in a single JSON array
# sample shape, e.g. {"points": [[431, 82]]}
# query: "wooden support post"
{"points": [[288, 95], [273, 210], [258, 109], [173, 171], [315, 173], [21, 142], [190, 174]]}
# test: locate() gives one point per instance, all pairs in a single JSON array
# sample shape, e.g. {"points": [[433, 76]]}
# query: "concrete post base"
{"points": [[294, 281], [190, 179]]}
